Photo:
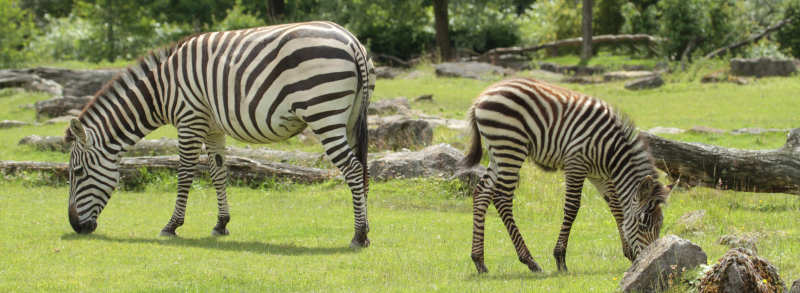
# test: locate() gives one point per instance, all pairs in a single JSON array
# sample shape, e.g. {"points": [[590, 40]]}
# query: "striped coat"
{"points": [[557, 128], [257, 85]]}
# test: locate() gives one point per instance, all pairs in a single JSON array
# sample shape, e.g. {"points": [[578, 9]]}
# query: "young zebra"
{"points": [[560, 129], [257, 85]]}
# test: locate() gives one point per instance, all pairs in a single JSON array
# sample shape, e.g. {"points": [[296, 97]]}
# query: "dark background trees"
{"points": [[96, 30]]}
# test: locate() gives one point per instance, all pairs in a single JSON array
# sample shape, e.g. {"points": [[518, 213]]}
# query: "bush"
{"points": [[480, 28], [710, 22], [16, 31], [789, 35], [62, 39], [237, 18]]}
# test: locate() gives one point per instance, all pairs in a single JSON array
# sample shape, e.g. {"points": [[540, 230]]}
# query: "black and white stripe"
{"points": [[258, 85], [560, 129]]}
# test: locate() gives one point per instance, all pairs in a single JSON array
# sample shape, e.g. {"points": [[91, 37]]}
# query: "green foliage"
{"points": [[607, 18], [709, 24], [62, 39], [237, 18], [789, 35], [480, 26], [764, 48], [16, 31], [51, 8], [551, 20], [639, 20], [199, 15]]}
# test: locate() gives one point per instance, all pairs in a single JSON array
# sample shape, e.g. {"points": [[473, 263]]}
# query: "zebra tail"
{"points": [[473, 157]]}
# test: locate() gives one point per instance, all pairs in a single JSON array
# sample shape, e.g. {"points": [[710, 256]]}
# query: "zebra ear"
{"points": [[76, 132], [646, 188]]}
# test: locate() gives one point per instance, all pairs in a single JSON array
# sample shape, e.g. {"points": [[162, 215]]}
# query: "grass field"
{"points": [[295, 237]]}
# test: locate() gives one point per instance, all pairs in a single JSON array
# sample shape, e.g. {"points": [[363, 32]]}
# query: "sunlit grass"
{"points": [[290, 237]]}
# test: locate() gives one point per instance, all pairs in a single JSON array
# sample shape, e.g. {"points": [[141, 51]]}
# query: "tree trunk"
{"points": [[442, 29], [749, 40], [275, 10], [774, 171], [239, 168], [110, 32], [586, 52]]}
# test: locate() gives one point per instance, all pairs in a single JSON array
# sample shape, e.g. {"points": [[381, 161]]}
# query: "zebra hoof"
{"points": [[223, 232], [167, 233], [359, 244], [533, 266], [478, 260]]}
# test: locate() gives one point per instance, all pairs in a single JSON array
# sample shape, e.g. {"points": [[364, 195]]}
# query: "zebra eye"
{"points": [[78, 171]]}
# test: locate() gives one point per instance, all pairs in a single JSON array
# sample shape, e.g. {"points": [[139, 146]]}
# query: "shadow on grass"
{"points": [[538, 276], [214, 243]]}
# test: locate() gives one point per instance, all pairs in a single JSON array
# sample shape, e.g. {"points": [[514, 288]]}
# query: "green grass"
{"points": [[287, 237]]}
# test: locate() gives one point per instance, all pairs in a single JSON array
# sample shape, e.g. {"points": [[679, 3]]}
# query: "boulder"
{"points": [[761, 67], [661, 264], [645, 83], [570, 69], [397, 105], [439, 160], [665, 130], [471, 176], [12, 123], [61, 106], [29, 82], [795, 287], [512, 61], [582, 79], [46, 143], [400, 134], [387, 72], [625, 75], [747, 240], [706, 130], [475, 70], [60, 119], [545, 75], [740, 270], [75, 82], [757, 130]]}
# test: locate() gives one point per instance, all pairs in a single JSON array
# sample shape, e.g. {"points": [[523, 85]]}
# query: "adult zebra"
{"points": [[257, 85], [560, 129]]}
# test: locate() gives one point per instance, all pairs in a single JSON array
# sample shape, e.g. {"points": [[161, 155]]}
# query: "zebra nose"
{"points": [[80, 228], [87, 227]]}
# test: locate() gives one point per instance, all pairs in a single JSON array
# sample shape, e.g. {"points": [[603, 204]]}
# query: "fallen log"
{"points": [[772, 171], [239, 169], [573, 42]]}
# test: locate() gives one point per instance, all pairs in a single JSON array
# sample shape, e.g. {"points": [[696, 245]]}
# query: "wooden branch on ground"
{"points": [[393, 60], [773, 171], [601, 39], [239, 168], [749, 40]]}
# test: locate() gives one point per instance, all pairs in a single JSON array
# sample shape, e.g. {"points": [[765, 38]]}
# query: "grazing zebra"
{"points": [[560, 129], [257, 85]]}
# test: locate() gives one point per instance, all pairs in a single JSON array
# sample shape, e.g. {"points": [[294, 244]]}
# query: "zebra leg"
{"points": [[575, 175], [355, 175], [480, 202], [610, 196], [503, 200], [215, 144], [189, 152]]}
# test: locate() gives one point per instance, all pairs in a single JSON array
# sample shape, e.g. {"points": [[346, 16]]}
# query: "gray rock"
{"points": [[706, 130], [475, 70], [748, 241], [512, 61], [12, 123], [645, 83], [661, 263], [624, 75], [691, 221], [46, 143], [60, 119], [570, 69], [471, 176], [665, 130], [439, 160], [757, 130], [29, 82], [61, 106], [387, 72], [390, 106], [761, 67], [741, 271], [75, 82], [637, 67], [415, 74], [424, 98], [400, 134], [545, 75], [795, 287]]}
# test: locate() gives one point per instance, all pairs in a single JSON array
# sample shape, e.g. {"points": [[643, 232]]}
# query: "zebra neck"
{"points": [[127, 108]]}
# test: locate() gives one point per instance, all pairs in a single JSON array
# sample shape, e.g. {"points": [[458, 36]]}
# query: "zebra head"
{"points": [[650, 196], [92, 178]]}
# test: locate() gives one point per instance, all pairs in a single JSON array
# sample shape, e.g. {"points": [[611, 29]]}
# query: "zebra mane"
{"points": [[634, 140]]}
